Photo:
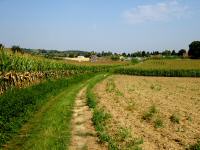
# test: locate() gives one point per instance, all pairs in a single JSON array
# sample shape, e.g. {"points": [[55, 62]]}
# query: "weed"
{"points": [[123, 134], [118, 93], [126, 141], [174, 118], [153, 109], [158, 123], [99, 118], [189, 118], [195, 146], [149, 115], [134, 144], [156, 87], [110, 86], [131, 106]]}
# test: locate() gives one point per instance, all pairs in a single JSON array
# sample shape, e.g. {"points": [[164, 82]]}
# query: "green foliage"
{"points": [[135, 61], [156, 87], [17, 105], [181, 52], [23, 63], [194, 49], [150, 113], [16, 49], [195, 146], [168, 68], [158, 123], [4, 59], [91, 102], [115, 57], [110, 86]]}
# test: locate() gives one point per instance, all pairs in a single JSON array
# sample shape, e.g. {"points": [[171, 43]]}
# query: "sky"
{"points": [[97, 25]]}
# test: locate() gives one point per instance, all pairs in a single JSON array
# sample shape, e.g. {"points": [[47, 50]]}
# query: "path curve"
{"points": [[84, 136]]}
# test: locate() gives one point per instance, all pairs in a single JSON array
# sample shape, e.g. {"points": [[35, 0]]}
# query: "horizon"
{"points": [[130, 26]]}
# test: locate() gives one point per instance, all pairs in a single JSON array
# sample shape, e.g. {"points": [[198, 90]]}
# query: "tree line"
{"points": [[193, 52]]}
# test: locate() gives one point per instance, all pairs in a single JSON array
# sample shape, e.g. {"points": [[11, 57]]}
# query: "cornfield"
{"points": [[169, 68], [21, 70]]}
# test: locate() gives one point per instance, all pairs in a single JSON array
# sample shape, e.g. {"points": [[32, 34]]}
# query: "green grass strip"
{"points": [[51, 125], [19, 105]]}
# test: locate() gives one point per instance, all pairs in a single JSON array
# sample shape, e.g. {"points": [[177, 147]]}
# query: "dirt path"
{"points": [[83, 133]]}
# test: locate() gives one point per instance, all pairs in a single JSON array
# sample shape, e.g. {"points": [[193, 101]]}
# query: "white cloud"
{"points": [[157, 12]]}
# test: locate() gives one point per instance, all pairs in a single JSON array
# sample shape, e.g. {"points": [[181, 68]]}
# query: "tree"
{"points": [[16, 49], [115, 57], [71, 55], [1, 46], [124, 54], [181, 52], [174, 53], [194, 49], [143, 53], [166, 53]]}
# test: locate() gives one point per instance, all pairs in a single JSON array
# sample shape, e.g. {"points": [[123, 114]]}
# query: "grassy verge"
{"points": [[18, 106], [122, 139]]}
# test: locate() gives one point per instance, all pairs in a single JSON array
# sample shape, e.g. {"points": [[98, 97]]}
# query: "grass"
{"points": [[49, 127]]}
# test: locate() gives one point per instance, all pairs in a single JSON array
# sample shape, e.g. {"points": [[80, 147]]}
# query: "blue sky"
{"points": [[115, 25]]}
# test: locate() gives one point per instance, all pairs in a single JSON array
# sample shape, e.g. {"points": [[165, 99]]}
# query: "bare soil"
{"points": [[128, 98], [84, 136]]}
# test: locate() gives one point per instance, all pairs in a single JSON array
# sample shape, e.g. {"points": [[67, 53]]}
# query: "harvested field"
{"points": [[164, 112]]}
